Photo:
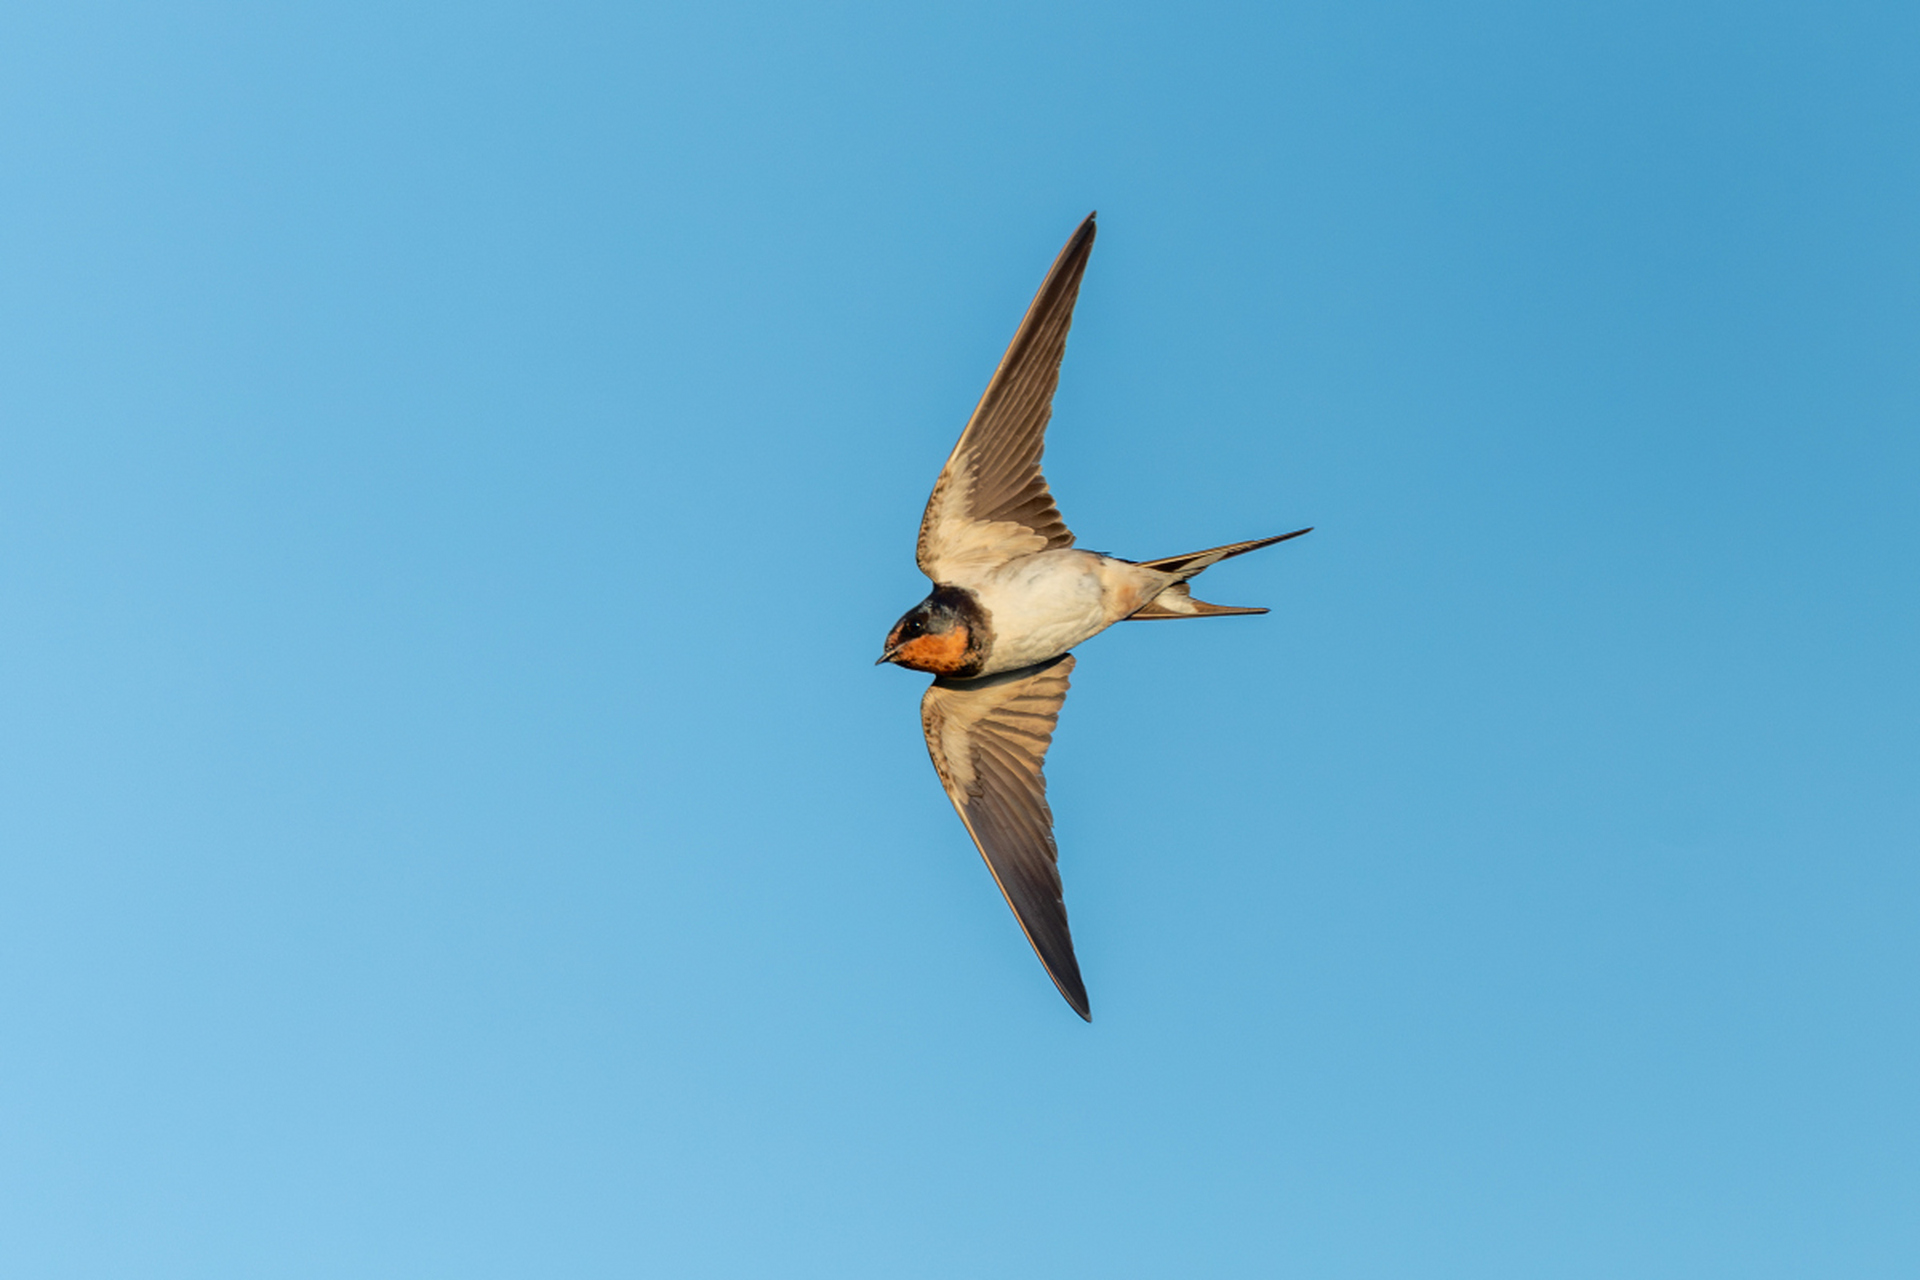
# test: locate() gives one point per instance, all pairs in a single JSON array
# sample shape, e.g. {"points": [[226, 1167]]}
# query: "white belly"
{"points": [[1042, 605]]}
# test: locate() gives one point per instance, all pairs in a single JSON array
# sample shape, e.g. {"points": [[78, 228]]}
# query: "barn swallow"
{"points": [[1011, 596]]}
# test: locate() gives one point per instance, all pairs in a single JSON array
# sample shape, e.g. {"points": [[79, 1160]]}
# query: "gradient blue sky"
{"points": [[459, 462]]}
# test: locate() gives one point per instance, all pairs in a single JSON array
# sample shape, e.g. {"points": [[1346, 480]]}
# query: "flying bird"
{"points": [[1011, 596]]}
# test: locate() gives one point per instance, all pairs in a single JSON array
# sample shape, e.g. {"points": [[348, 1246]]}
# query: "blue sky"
{"points": [[458, 465]]}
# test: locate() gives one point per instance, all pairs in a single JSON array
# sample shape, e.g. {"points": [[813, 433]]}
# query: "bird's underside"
{"points": [[1007, 606]]}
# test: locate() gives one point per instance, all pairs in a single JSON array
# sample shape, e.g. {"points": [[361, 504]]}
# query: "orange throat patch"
{"points": [[938, 655]]}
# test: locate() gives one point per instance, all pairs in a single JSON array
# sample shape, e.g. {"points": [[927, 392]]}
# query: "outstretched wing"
{"points": [[991, 503], [988, 739]]}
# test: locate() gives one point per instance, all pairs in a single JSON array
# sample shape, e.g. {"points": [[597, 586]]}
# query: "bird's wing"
{"points": [[991, 503], [988, 738]]}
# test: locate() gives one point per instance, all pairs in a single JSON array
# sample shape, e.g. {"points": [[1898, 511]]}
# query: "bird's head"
{"points": [[934, 636]]}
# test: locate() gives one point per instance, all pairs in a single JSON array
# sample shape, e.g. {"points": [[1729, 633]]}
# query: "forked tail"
{"points": [[1178, 602]]}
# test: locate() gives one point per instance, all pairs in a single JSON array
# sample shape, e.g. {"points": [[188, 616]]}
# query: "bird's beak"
{"points": [[888, 655]]}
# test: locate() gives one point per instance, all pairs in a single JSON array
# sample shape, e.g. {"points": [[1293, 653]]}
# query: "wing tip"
{"points": [[1075, 996], [1083, 234]]}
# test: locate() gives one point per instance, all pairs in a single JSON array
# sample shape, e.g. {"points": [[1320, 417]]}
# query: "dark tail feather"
{"points": [[1178, 602], [1193, 562]]}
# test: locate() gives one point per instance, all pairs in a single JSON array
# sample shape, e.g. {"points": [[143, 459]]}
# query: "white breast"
{"points": [[1042, 605]]}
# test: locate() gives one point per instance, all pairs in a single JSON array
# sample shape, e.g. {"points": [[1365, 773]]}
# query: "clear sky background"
{"points": [[459, 463]]}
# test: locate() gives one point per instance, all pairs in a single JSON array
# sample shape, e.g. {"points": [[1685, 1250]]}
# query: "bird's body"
{"points": [[1044, 604], [1036, 607], [1011, 597]]}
